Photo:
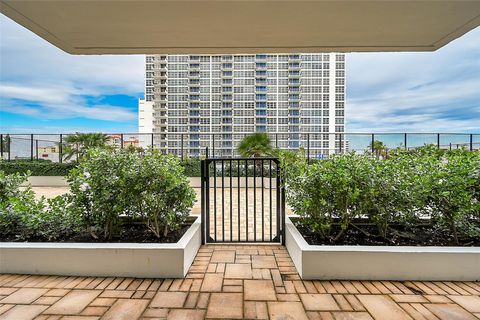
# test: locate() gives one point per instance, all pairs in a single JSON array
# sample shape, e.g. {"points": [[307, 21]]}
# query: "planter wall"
{"points": [[381, 262], [47, 181], [171, 260], [195, 182]]}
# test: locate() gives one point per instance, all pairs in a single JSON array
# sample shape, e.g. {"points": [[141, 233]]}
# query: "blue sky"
{"points": [[45, 90]]}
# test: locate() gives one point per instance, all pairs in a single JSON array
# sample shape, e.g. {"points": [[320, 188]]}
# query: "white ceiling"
{"points": [[243, 26]]}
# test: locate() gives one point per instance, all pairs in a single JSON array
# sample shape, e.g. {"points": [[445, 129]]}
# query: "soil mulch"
{"points": [[130, 233], [421, 235]]}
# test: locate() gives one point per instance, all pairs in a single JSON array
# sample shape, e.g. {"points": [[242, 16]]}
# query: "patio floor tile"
{"points": [[169, 300], [319, 302], [382, 307], [22, 312], [225, 306], [238, 271], [259, 290], [286, 310], [74, 302], [261, 262], [24, 296], [234, 282], [179, 314], [126, 309], [449, 312], [470, 303]]}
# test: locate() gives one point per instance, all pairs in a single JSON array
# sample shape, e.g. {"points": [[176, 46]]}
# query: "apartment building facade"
{"points": [[199, 101]]}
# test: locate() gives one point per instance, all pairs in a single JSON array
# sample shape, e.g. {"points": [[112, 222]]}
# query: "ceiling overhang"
{"points": [[243, 26]]}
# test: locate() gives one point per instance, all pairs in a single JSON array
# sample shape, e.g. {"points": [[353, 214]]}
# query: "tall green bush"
{"points": [[23, 217], [426, 185], [107, 185]]}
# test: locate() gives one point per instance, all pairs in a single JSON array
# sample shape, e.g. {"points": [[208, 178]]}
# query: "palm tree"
{"points": [[378, 148], [77, 144], [255, 145]]}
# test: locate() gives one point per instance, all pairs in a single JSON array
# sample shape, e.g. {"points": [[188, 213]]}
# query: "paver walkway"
{"points": [[234, 282]]}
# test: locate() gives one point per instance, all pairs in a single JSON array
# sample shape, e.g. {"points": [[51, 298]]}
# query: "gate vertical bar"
{"points": [[270, 191], [438, 140], [152, 141], [283, 210], [207, 199], [1, 146], [223, 201], [278, 195], [263, 205], [215, 199], [471, 142], [405, 141], [202, 199], [246, 199], [231, 203], [238, 199], [254, 200]]}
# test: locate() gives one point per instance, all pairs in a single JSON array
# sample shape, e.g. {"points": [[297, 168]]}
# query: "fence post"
{"points": [[9, 146], [60, 149], [181, 146], [373, 143], [438, 140], [471, 142], [450, 146], [308, 147], [405, 141], [36, 149], [152, 142], [1, 146], [206, 152], [121, 141], [276, 140], [31, 147], [213, 147], [341, 149]]}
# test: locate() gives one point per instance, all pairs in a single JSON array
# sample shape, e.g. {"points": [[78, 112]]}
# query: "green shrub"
{"points": [[107, 185], [404, 189], [191, 167], [36, 167], [22, 217]]}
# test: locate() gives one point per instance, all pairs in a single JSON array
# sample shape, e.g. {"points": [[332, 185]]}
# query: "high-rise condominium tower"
{"points": [[214, 100]]}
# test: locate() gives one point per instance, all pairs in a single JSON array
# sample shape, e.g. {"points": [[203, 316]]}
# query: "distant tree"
{"points": [[76, 145], [255, 145], [379, 149]]}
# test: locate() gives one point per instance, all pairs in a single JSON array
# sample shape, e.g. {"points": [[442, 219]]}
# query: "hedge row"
{"points": [[36, 168]]}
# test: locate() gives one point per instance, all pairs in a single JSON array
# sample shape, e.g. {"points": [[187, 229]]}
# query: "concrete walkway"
{"points": [[234, 282]]}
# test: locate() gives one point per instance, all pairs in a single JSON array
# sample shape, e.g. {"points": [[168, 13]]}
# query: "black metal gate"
{"points": [[242, 200]]}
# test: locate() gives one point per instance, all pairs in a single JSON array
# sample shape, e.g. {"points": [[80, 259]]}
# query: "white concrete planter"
{"points": [[381, 262], [47, 181], [195, 182], [142, 260]]}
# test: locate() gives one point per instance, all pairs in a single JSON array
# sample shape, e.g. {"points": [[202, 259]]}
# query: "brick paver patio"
{"points": [[234, 282]]}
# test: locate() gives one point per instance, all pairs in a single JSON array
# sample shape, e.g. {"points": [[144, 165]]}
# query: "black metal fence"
{"points": [[242, 200], [316, 145]]}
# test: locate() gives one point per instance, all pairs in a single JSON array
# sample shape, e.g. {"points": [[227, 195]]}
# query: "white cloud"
{"points": [[422, 92], [35, 72]]}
